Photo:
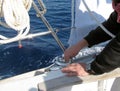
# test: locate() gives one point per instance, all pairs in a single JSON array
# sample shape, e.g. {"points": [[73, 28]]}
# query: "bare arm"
{"points": [[73, 50]]}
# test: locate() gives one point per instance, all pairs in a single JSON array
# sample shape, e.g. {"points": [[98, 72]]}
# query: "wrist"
{"points": [[81, 44]]}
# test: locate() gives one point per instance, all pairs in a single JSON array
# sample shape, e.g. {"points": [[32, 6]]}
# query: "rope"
{"points": [[15, 13], [16, 16]]}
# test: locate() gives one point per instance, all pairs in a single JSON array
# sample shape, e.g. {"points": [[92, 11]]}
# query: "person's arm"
{"points": [[98, 35], [94, 37], [73, 50], [106, 61]]}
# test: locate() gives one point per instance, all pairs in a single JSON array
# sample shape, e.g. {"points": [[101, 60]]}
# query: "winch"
{"points": [[58, 63]]}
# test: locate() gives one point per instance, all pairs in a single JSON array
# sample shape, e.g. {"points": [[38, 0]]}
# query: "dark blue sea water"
{"points": [[37, 52]]}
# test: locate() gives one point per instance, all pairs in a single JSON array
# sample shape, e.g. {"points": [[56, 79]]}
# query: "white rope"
{"points": [[15, 13], [16, 16]]}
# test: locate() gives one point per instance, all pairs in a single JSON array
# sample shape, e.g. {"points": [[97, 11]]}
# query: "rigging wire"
{"points": [[98, 22], [39, 14], [15, 13], [73, 13]]}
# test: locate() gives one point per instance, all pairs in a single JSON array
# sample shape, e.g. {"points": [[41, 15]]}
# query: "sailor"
{"points": [[109, 58]]}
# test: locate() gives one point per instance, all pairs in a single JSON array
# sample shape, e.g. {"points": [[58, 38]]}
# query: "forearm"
{"points": [[81, 44], [72, 51]]}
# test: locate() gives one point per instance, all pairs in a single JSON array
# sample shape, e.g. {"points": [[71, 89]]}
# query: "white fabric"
{"points": [[84, 22]]}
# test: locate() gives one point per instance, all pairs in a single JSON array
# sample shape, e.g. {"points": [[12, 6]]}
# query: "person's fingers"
{"points": [[71, 74], [69, 68], [75, 69], [67, 57], [65, 70]]}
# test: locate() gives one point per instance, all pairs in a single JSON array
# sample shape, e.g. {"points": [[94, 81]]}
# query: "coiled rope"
{"points": [[15, 13]]}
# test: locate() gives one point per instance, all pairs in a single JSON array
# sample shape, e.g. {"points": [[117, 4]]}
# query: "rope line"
{"points": [[15, 13]]}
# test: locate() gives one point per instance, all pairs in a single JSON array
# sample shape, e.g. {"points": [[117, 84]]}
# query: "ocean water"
{"points": [[37, 52]]}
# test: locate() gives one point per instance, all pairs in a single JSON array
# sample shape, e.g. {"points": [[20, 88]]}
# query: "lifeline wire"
{"points": [[105, 30]]}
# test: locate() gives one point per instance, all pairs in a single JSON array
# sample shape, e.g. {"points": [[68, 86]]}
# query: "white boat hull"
{"points": [[57, 81]]}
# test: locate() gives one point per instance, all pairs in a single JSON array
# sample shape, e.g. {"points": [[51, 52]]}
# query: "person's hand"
{"points": [[75, 69], [73, 50], [70, 52]]}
